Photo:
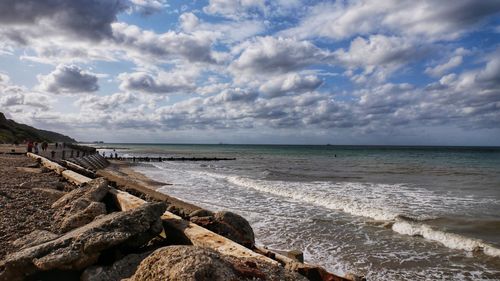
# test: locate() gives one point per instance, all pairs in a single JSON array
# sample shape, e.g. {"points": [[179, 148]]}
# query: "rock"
{"points": [[296, 255], [201, 213], [34, 238], [82, 247], [191, 263], [80, 206], [354, 277], [229, 225], [121, 269], [81, 213], [94, 190], [51, 193]]}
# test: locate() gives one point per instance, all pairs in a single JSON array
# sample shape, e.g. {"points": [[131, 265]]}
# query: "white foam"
{"points": [[312, 196], [450, 240]]}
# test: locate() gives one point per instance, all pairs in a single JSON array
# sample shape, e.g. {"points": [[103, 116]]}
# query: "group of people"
{"points": [[34, 147]]}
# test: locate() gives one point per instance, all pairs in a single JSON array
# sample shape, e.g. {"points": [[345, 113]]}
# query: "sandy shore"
{"points": [[26, 196], [52, 230]]}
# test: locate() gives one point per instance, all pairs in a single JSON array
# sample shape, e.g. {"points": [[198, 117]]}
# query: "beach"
{"points": [[59, 224], [390, 213]]}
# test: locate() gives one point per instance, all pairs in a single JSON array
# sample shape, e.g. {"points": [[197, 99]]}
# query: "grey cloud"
{"points": [[162, 83], [193, 47], [68, 79], [88, 18], [291, 83], [275, 55], [430, 19], [104, 103]]}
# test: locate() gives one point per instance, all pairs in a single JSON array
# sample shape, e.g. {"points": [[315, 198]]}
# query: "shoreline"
{"points": [[121, 175]]}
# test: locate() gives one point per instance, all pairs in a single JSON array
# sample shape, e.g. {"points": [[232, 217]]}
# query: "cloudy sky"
{"points": [[254, 71]]}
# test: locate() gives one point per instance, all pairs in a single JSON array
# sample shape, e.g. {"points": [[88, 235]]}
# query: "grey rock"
{"points": [[94, 190], [121, 269], [79, 215], [34, 238], [229, 225], [82, 247], [80, 206], [191, 263]]}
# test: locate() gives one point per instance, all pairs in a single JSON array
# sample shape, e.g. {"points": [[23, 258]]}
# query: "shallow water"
{"points": [[390, 213]]}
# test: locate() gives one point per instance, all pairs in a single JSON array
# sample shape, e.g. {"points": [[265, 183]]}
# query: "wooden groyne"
{"points": [[161, 159]]}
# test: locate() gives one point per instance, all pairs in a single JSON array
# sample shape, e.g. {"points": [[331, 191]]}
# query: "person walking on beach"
{"points": [[44, 145], [36, 148], [57, 145], [30, 146]]}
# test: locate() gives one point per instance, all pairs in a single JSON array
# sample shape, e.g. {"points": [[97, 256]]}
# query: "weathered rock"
{"points": [[94, 190], [121, 269], [201, 213], [34, 238], [229, 225], [81, 247], [191, 263], [53, 194], [80, 206], [80, 214]]}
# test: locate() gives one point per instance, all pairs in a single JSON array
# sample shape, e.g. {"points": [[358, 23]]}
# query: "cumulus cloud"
{"points": [[429, 19], [79, 18], [15, 98], [105, 103], [68, 79], [379, 55], [161, 83], [148, 7], [290, 83], [235, 8], [441, 69], [193, 47], [227, 31], [268, 54]]}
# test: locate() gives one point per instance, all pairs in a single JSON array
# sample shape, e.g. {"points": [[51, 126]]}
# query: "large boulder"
{"points": [[94, 190], [121, 269], [229, 225], [80, 206], [191, 263], [82, 247]]}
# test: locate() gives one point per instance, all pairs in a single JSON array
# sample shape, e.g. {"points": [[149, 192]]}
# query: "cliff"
{"points": [[11, 131]]}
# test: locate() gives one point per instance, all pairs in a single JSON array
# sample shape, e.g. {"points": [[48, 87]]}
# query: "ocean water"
{"points": [[389, 213]]}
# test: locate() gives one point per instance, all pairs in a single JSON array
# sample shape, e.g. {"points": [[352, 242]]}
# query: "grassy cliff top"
{"points": [[11, 131]]}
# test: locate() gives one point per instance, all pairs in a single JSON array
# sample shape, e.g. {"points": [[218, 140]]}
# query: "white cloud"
{"points": [[379, 55], [441, 69], [235, 8], [227, 31], [161, 83], [148, 7], [429, 19], [290, 83], [269, 55], [68, 79]]}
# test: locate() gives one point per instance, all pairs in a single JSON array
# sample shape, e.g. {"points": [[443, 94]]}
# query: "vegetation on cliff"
{"points": [[11, 132]]}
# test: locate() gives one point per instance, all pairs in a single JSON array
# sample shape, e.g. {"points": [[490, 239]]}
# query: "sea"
{"points": [[385, 212]]}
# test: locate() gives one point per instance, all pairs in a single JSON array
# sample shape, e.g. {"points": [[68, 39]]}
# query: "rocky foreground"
{"points": [[53, 230]]}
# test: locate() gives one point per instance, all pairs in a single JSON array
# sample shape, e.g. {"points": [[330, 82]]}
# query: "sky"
{"points": [[396, 72]]}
